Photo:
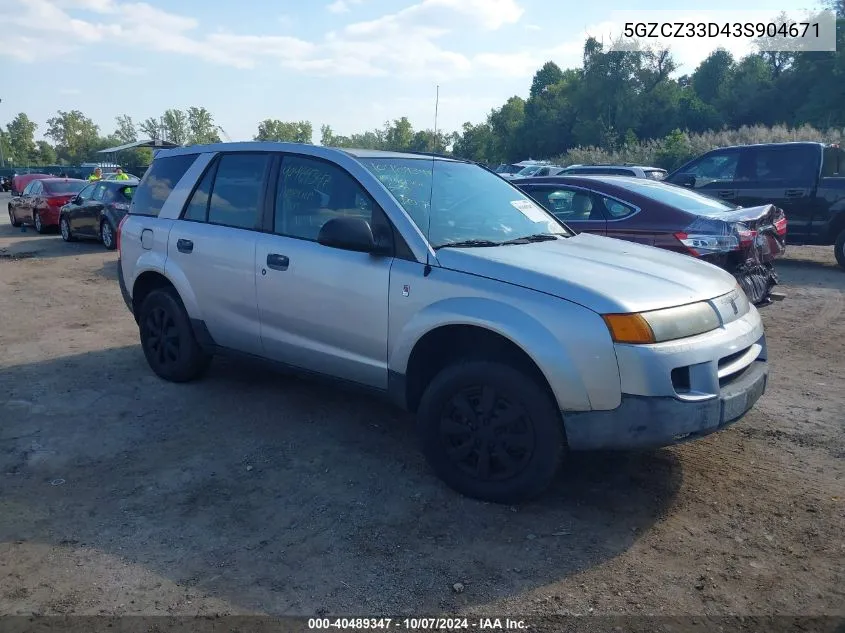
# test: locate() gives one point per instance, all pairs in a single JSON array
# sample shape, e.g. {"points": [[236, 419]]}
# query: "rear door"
{"points": [[782, 175], [579, 208], [157, 201], [213, 246]]}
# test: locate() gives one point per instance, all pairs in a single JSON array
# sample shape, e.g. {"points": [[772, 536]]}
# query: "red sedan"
{"points": [[41, 200]]}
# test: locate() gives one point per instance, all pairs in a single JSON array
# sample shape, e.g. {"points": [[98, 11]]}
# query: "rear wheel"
{"points": [[64, 229], [39, 223], [167, 338], [107, 235], [491, 432], [839, 249], [15, 223]]}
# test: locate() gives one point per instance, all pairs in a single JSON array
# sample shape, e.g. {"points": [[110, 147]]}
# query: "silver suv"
{"points": [[441, 286]]}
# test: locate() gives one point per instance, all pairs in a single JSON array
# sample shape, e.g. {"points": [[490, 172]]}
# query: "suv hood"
{"points": [[603, 274]]}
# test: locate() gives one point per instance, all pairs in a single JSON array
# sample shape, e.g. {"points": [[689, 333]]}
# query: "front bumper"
{"points": [[654, 421]]}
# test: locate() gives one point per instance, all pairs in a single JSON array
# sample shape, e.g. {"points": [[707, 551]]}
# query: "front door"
{"points": [[75, 206], [322, 309], [88, 216], [213, 246], [714, 174]]}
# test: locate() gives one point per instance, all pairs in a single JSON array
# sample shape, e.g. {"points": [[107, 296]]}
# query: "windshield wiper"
{"points": [[539, 237], [468, 244]]}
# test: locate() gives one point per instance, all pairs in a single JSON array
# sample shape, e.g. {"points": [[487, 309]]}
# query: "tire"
{"points": [[64, 229], [161, 316], [456, 452], [38, 224], [15, 223], [107, 235], [839, 249]]}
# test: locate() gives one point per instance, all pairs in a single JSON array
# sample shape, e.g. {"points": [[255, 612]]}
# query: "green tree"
{"points": [[285, 131], [547, 76], [201, 127], [175, 124], [399, 135], [46, 153], [21, 133], [507, 123], [75, 135], [126, 131], [712, 75], [151, 128], [475, 142]]}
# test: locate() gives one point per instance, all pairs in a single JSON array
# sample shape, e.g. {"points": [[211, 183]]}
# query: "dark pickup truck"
{"points": [[806, 180]]}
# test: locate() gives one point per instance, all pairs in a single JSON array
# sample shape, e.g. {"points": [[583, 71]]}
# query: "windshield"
{"points": [[66, 187], [507, 169], [678, 197], [464, 203]]}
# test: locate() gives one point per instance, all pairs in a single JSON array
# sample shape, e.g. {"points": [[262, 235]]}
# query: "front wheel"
{"points": [[14, 222], [64, 229], [107, 235], [167, 338], [491, 432], [839, 249]]}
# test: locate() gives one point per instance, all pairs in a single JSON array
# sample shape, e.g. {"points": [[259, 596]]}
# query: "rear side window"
{"points": [[834, 162], [790, 164], [197, 208], [158, 183], [238, 189]]}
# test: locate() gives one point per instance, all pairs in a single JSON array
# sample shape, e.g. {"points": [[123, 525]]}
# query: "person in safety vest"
{"points": [[97, 175], [119, 175]]}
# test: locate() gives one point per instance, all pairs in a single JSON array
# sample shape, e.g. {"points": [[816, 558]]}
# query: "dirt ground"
{"points": [[252, 492]]}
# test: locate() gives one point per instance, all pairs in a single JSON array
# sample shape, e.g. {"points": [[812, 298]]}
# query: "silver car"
{"points": [[441, 286]]}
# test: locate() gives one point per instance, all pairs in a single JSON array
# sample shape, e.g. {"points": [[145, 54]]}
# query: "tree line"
{"points": [[619, 105]]}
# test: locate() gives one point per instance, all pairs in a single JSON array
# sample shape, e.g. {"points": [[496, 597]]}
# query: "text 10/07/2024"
{"points": [[417, 624]]}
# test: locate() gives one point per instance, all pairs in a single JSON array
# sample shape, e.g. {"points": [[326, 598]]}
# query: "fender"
{"points": [[557, 357]]}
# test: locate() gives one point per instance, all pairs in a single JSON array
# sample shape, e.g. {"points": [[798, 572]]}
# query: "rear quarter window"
{"points": [[158, 183]]}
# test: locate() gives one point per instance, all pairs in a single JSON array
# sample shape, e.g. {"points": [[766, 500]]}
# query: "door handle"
{"points": [[726, 194], [794, 193], [185, 246], [277, 262]]}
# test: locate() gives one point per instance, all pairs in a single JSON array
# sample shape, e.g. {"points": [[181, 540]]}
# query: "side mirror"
{"points": [[685, 180], [349, 234], [76, 200]]}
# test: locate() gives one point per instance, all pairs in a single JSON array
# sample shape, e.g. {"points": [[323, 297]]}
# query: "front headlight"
{"points": [[667, 324]]}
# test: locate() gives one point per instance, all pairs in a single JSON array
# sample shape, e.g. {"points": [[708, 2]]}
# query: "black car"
{"points": [[96, 211], [806, 180]]}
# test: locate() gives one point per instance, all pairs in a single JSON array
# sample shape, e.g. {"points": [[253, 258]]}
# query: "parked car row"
{"points": [[77, 208], [446, 289]]}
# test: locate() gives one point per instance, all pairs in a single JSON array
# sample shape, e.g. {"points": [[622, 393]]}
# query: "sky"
{"points": [[350, 64]]}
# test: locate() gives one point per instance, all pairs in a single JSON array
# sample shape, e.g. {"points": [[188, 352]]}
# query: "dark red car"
{"points": [[743, 241], [20, 181], [41, 200]]}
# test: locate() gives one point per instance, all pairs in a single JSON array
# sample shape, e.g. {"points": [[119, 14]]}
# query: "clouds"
{"points": [[408, 41]]}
